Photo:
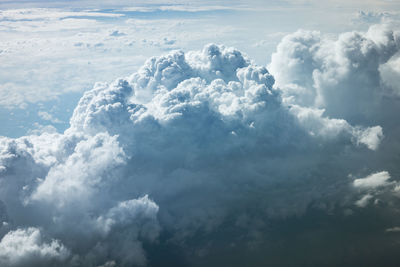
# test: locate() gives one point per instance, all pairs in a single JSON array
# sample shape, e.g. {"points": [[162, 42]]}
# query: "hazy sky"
{"points": [[202, 133]]}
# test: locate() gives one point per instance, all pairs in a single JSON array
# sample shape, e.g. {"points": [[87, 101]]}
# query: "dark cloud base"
{"points": [[314, 239]]}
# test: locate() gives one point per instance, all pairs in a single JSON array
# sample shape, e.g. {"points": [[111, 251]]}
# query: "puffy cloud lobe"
{"points": [[374, 180], [24, 247], [63, 187], [390, 73], [201, 133], [363, 202], [122, 229], [371, 136], [173, 82], [86, 169], [126, 212], [314, 121], [342, 76], [102, 108], [293, 64], [375, 187]]}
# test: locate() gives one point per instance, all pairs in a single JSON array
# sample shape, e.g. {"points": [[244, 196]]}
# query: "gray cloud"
{"points": [[202, 146]]}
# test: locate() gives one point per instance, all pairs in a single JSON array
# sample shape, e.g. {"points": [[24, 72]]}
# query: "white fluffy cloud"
{"points": [[376, 188], [24, 247], [189, 143], [63, 183], [341, 75]]}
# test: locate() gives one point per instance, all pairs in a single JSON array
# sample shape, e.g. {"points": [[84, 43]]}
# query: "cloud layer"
{"points": [[201, 151]]}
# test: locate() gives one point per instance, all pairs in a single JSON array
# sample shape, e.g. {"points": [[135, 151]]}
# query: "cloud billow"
{"points": [[188, 145], [341, 76]]}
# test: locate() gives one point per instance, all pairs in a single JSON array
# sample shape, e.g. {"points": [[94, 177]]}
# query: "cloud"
{"points": [[48, 117], [126, 212], [364, 201], [375, 187], [49, 14], [390, 74], [393, 229], [53, 56], [40, 129], [192, 8], [188, 145], [379, 179], [26, 247], [342, 76], [12, 95], [313, 120], [371, 137], [371, 17], [117, 33], [71, 176], [96, 156]]}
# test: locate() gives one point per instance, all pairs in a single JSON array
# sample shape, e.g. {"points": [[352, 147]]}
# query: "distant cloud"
{"points": [[49, 14], [13, 95], [371, 17], [187, 8], [374, 180], [364, 201], [393, 230], [117, 33], [48, 117]]}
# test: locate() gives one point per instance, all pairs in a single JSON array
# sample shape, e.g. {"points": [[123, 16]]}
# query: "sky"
{"points": [[199, 133]]}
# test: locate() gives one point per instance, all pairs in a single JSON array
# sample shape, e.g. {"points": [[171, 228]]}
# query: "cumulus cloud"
{"points": [[191, 144], [341, 75], [318, 125], [363, 202], [374, 180], [24, 247], [376, 188], [390, 73], [67, 192], [48, 117], [371, 17]]}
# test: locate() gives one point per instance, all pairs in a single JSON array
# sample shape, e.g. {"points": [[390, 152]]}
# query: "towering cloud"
{"points": [[194, 143], [342, 76]]}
